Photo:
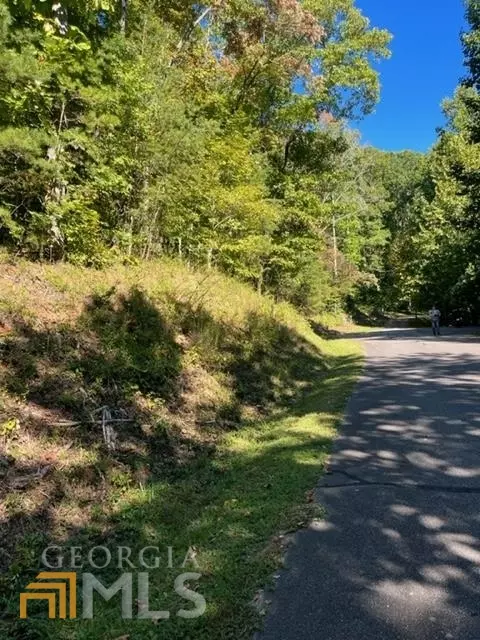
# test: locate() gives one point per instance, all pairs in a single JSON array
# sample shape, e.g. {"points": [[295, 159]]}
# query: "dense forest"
{"points": [[186, 211], [219, 133]]}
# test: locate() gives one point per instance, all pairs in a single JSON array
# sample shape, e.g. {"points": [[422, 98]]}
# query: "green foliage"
{"points": [[225, 405], [9, 428], [445, 241], [405, 184], [471, 43], [137, 347], [432, 210], [213, 133]]}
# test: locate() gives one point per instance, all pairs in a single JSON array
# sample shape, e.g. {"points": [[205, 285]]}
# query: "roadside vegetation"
{"points": [[186, 215], [224, 406]]}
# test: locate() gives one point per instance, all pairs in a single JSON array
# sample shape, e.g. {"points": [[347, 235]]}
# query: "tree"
{"points": [[213, 132], [448, 244]]}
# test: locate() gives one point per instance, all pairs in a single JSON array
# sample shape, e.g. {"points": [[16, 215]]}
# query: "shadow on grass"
{"points": [[119, 344], [122, 345], [231, 507], [228, 499], [397, 555]]}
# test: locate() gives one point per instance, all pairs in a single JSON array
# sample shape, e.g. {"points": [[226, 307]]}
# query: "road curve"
{"points": [[398, 554]]}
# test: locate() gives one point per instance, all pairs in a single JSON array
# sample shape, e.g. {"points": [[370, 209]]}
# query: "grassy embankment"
{"points": [[225, 406]]}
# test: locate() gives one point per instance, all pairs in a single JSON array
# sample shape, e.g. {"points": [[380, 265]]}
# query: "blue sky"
{"points": [[425, 67]]}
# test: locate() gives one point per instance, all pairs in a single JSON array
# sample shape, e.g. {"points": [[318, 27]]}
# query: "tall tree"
{"points": [[210, 131], [448, 244]]}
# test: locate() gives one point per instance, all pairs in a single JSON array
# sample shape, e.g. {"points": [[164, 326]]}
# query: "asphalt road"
{"points": [[398, 554]]}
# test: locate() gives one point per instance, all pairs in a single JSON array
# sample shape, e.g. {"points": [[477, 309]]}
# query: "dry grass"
{"points": [[220, 394]]}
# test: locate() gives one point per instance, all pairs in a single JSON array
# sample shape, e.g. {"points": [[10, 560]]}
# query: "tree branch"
{"points": [[188, 33]]}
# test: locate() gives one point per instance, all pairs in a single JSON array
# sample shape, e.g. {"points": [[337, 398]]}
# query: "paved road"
{"points": [[398, 555]]}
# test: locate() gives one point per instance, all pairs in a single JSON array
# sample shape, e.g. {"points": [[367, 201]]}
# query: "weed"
{"points": [[223, 404], [9, 428]]}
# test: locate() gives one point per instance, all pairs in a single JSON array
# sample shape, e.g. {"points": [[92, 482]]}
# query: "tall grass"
{"points": [[232, 402]]}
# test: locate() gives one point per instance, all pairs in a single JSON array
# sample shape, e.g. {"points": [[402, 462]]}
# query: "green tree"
{"points": [[212, 132], [448, 244]]}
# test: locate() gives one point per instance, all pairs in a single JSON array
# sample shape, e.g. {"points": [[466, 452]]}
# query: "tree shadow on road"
{"points": [[398, 554]]}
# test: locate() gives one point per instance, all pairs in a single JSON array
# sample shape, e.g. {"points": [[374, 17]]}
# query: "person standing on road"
{"points": [[435, 318]]}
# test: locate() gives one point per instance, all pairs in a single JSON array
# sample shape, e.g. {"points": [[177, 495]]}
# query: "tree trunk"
{"points": [[130, 238], [335, 248], [151, 231], [123, 16], [260, 280]]}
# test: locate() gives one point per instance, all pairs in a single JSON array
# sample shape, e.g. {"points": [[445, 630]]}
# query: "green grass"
{"points": [[230, 508], [245, 481], [335, 325]]}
